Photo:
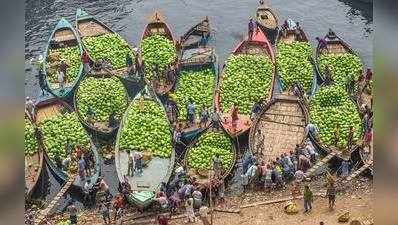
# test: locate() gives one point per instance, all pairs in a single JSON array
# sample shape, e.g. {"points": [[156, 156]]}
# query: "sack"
{"points": [[291, 208]]}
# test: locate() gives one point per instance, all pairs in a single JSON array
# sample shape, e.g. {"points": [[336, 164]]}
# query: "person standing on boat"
{"points": [[204, 116], [252, 27], [310, 129], [217, 163], [130, 65], [191, 112], [81, 166], [30, 107], [86, 62], [297, 31], [255, 110], [138, 162], [322, 44], [260, 142], [215, 120], [112, 122], [89, 161], [130, 156], [328, 76], [42, 82], [62, 73], [234, 115]]}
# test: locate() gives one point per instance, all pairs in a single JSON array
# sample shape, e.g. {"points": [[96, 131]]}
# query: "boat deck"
{"points": [[47, 111], [282, 126], [336, 48], [90, 29], [242, 124], [32, 166], [154, 173], [290, 38], [64, 35]]}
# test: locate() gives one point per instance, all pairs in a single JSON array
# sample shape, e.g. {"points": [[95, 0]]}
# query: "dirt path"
{"points": [[360, 207]]}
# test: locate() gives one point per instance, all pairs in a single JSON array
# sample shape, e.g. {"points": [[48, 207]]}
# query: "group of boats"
{"points": [[281, 121]]}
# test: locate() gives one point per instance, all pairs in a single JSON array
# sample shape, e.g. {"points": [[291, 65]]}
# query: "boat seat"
{"points": [[63, 36]]}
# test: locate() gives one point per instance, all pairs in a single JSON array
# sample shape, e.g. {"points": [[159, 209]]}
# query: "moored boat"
{"points": [[195, 61], [197, 35], [337, 47], [278, 128], [198, 158], [158, 26], [63, 48], [98, 126], [33, 160], [333, 119], [158, 160], [257, 46], [47, 110], [267, 20], [88, 27], [293, 35]]}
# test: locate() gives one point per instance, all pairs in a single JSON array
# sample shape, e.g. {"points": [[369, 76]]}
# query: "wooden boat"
{"points": [[45, 109], [202, 176], [100, 130], [335, 45], [282, 124], [63, 36], [89, 26], [259, 45], [267, 20], [33, 165], [196, 59], [192, 38], [157, 25], [288, 34], [325, 149], [157, 170]]}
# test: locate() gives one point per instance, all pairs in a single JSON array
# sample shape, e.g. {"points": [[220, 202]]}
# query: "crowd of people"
{"points": [[274, 174]]}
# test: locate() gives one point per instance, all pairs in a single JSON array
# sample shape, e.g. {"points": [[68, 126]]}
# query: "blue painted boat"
{"points": [[63, 36], [89, 26], [156, 170], [47, 108], [100, 130]]}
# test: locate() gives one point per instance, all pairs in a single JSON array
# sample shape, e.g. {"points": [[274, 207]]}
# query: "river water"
{"points": [[351, 19]]}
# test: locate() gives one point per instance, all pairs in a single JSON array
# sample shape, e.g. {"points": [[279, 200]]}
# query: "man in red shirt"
{"points": [[86, 62]]}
